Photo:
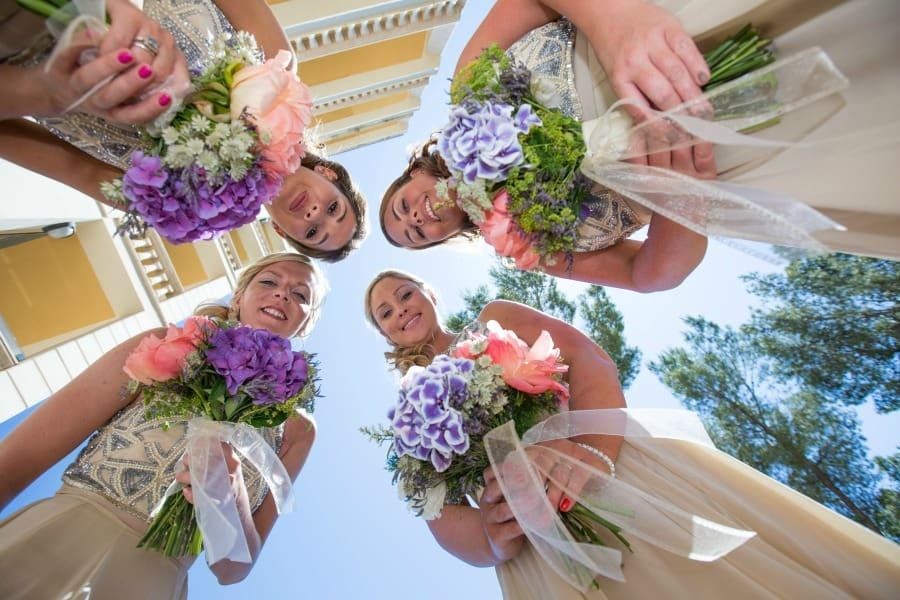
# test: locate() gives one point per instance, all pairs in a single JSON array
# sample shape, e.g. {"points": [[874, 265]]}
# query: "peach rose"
{"points": [[532, 370], [505, 236], [158, 359], [280, 106]]}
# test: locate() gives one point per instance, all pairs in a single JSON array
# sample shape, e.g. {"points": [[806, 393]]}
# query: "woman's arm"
{"points": [[65, 420], [299, 435], [256, 17], [34, 148], [661, 262]]}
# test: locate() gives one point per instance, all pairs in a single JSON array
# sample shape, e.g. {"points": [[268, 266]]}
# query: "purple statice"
{"points": [[258, 363], [481, 140], [183, 206], [426, 420]]}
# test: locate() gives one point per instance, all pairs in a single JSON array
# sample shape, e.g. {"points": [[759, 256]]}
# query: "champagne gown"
{"points": [[82, 542], [858, 189]]}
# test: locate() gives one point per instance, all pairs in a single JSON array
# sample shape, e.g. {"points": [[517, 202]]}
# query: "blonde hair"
{"points": [[401, 358], [320, 289]]}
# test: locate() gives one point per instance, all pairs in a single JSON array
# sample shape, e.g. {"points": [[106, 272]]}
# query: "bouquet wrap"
{"points": [[755, 100], [214, 503], [637, 512]]}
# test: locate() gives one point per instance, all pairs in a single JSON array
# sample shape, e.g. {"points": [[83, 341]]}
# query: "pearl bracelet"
{"points": [[602, 456]]}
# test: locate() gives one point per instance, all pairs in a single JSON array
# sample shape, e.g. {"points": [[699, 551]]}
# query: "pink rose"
{"points": [[280, 106], [506, 237], [158, 359], [532, 370]]}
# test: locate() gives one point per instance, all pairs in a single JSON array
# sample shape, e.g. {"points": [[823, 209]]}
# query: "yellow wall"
{"points": [[239, 247], [187, 263], [48, 288], [363, 59], [363, 107]]}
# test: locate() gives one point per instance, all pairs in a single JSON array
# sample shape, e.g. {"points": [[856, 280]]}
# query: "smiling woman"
{"points": [[93, 523]]}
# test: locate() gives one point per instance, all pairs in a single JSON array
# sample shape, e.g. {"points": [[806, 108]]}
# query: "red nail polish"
{"points": [[145, 71], [165, 99], [125, 57], [565, 504]]}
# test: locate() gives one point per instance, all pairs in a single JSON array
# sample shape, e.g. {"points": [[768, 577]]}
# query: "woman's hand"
{"points": [[235, 475], [504, 534], [563, 481], [651, 60]]}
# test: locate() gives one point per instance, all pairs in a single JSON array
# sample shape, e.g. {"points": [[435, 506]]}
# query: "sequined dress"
{"points": [[861, 37], [85, 537], [194, 24]]}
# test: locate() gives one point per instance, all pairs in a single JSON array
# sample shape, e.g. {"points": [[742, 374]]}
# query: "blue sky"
{"points": [[349, 535]]}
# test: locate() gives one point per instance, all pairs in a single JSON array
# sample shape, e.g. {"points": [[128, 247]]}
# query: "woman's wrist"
{"points": [[28, 95]]}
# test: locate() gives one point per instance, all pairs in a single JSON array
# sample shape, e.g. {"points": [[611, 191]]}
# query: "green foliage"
{"points": [[600, 320], [604, 324], [833, 322], [479, 77], [781, 428]]}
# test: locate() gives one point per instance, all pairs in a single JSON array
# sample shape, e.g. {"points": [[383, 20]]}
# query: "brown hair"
{"points": [[345, 185], [320, 289], [399, 357], [425, 159]]}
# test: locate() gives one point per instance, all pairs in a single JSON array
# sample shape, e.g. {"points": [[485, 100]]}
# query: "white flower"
{"points": [[606, 137], [195, 146], [199, 124], [170, 135], [545, 92], [237, 171], [178, 156], [112, 191], [434, 501], [209, 161]]}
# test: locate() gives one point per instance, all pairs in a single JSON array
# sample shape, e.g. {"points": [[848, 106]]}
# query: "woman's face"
{"points": [[414, 216], [313, 211], [403, 312], [279, 298]]}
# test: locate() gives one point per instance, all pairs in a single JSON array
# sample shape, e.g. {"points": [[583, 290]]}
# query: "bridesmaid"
{"points": [[801, 550], [319, 211], [85, 536], [639, 51]]}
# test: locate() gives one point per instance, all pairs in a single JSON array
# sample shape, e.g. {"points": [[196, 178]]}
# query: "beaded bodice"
{"points": [[547, 52], [130, 461], [194, 24]]}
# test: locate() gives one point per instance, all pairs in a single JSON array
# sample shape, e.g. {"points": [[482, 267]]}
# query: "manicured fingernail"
{"points": [[125, 57], [565, 504], [145, 71], [702, 77], [165, 99]]}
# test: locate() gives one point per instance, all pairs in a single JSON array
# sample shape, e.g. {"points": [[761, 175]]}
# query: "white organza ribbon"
{"points": [[771, 94], [214, 502], [639, 512]]}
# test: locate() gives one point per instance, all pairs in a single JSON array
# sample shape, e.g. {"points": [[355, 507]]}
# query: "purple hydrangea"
{"points": [[481, 141], [259, 363], [183, 206], [427, 422]]}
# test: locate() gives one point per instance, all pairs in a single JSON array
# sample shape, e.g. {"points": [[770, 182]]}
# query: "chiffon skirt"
{"points": [[802, 550], [75, 546], [853, 179]]}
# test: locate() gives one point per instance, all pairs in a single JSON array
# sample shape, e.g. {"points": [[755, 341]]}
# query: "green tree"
{"points": [[601, 321], [889, 497], [786, 430], [833, 322], [604, 324]]}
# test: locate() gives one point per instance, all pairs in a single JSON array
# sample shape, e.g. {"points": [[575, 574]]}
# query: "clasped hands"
{"points": [[136, 67], [562, 481]]}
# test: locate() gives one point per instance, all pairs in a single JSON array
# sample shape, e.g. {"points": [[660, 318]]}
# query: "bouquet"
{"points": [[228, 373], [444, 411], [215, 158], [516, 161], [224, 153]]}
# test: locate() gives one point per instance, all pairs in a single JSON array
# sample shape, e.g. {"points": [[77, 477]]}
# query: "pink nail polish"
{"points": [[125, 57], [145, 71], [165, 99], [565, 505]]}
